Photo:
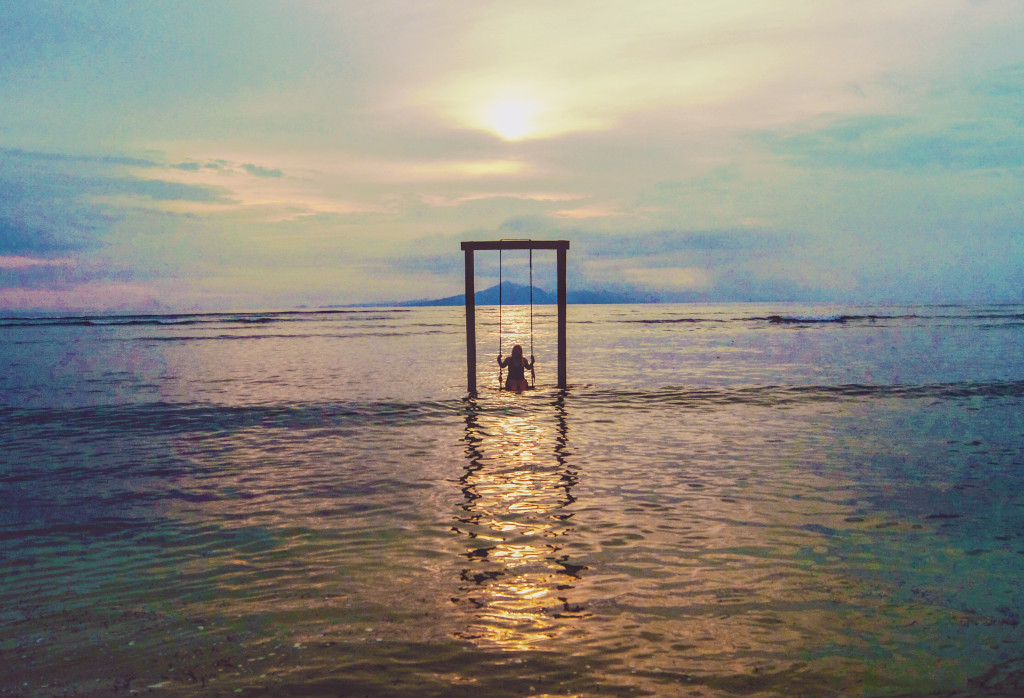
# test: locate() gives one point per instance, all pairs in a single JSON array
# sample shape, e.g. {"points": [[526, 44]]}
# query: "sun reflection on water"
{"points": [[515, 322], [516, 516]]}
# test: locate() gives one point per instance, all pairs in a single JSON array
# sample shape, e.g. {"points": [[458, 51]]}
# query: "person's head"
{"points": [[517, 352]]}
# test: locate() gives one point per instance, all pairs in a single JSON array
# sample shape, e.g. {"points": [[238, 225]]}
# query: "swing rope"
{"points": [[533, 376], [500, 385]]}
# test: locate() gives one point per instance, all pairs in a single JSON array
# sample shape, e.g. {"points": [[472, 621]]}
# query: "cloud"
{"points": [[667, 242], [227, 167], [48, 197], [670, 265], [659, 280], [77, 229], [102, 296], [54, 202], [156, 189], [21, 262], [895, 144], [35, 156], [29, 275], [257, 171], [69, 234], [709, 63], [446, 201], [704, 265], [973, 126], [584, 212]]}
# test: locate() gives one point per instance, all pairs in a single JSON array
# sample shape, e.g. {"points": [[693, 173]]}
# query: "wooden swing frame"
{"points": [[561, 247]]}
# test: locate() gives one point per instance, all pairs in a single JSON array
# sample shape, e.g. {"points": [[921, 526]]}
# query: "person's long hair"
{"points": [[517, 354]]}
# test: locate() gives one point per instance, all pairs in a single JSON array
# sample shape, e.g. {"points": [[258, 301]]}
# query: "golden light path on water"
{"points": [[515, 322], [517, 487], [574, 540]]}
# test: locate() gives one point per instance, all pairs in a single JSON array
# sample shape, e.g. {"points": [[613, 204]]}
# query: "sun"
{"points": [[513, 120]]}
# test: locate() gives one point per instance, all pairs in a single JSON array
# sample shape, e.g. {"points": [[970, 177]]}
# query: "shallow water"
{"points": [[728, 500]]}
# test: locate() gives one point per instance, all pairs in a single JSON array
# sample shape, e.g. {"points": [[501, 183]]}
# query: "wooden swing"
{"points": [[560, 247]]}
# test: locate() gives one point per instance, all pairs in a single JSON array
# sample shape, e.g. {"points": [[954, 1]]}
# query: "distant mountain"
{"points": [[585, 297], [518, 294]]}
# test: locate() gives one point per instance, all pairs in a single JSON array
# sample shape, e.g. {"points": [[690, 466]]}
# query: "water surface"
{"points": [[728, 500]]}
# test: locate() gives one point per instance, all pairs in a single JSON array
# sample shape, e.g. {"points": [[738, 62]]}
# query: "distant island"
{"points": [[518, 294]]}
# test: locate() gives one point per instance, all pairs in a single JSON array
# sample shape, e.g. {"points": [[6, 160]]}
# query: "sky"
{"points": [[244, 154]]}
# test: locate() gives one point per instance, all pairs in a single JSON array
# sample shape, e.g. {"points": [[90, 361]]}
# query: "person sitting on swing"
{"points": [[517, 367]]}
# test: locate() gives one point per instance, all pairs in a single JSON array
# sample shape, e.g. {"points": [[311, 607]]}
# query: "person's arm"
{"points": [[502, 363], [530, 363]]}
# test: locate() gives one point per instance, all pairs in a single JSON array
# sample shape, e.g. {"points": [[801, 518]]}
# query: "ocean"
{"points": [[728, 500]]}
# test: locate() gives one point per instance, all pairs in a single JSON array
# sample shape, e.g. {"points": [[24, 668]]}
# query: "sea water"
{"points": [[766, 500]]}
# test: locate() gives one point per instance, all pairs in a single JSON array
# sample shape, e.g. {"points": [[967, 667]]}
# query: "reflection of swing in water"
{"points": [[516, 576], [515, 363]]}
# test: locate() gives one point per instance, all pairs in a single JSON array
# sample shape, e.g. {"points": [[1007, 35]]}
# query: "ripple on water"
{"points": [[663, 541]]}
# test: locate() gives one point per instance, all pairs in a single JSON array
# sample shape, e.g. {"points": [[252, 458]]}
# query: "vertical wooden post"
{"points": [[470, 325], [562, 382]]}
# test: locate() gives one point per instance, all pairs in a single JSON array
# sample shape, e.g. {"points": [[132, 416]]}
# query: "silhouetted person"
{"points": [[517, 367]]}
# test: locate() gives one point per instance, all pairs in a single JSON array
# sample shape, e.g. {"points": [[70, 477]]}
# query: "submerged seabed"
{"points": [[728, 500]]}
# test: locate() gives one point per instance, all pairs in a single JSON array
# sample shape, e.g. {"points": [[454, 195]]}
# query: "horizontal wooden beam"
{"points": [[516, 245]]}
